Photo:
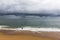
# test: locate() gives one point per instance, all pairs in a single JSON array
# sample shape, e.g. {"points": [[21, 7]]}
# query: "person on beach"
{"points": [[21, 27]]}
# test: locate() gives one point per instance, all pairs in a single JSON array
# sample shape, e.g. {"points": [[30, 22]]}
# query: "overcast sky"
{"points": [[30, 6]]}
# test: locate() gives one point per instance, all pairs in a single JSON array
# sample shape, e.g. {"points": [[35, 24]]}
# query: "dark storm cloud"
{"points": [[30, 6]]}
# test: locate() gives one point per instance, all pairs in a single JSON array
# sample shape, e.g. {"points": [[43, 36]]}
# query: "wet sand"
{"points": [[28, 35], [21, 37]]}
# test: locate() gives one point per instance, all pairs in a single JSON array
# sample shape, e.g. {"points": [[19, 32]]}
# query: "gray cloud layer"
{"points": [[30, 6]]}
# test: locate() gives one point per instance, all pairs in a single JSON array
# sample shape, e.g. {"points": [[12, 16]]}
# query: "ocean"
{"points": [[31, 21]]}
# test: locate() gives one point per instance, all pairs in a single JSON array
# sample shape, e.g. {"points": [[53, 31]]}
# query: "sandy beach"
{"points": [[28, 35]]}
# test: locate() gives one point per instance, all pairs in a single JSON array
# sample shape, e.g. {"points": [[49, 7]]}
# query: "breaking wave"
{"points": [[39, 29]]}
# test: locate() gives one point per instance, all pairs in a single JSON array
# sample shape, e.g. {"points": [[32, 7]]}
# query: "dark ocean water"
{"points": [[32, 21]]}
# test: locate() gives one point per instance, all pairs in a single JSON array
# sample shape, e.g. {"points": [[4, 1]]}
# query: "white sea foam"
{"points": [[32, 29], [40, 29]]}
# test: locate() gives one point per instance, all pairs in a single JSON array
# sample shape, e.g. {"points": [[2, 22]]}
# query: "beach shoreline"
{"points": [[44, 34]]}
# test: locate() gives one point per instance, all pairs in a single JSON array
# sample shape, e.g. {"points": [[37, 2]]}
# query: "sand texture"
{"points": [[28, 35]]}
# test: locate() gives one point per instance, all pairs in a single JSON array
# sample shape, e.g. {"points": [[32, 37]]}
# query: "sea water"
{"points": [[31, 21]]}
